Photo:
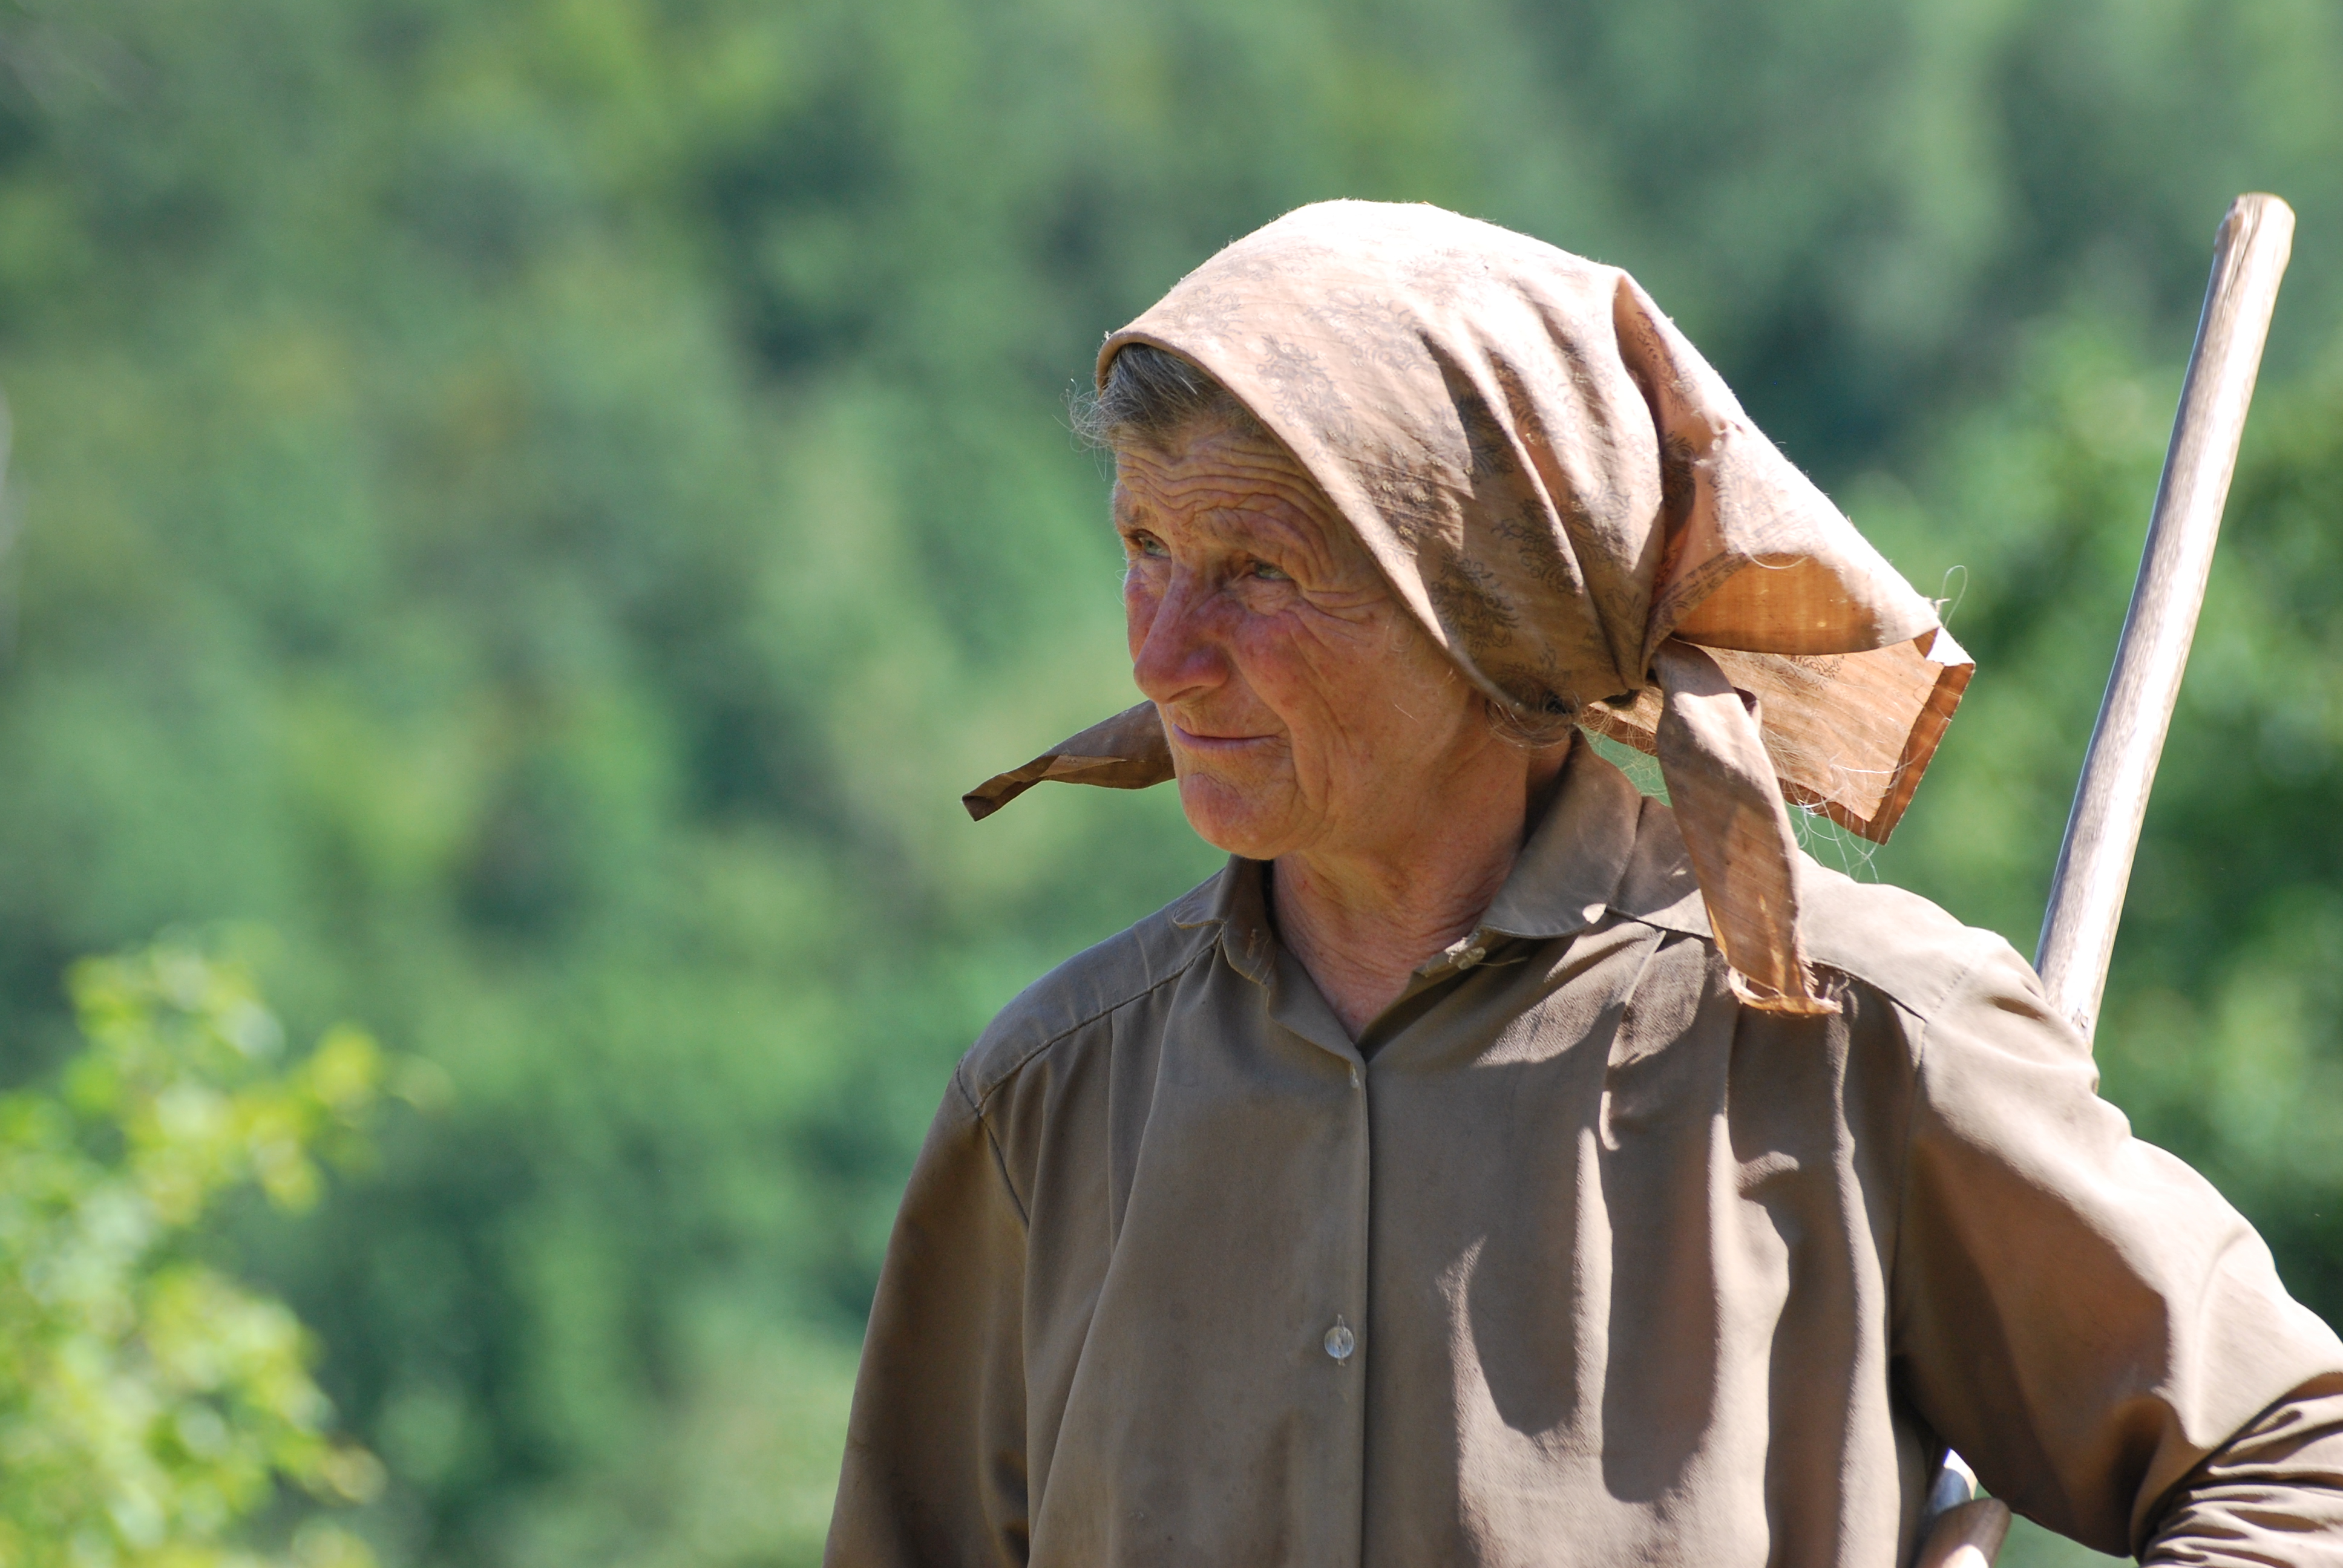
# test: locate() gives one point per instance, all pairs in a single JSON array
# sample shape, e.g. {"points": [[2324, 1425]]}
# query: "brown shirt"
{"points": [[1570, 1258]]}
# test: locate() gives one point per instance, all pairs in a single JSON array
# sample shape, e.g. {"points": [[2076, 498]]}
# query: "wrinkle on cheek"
{"points": [[1373, 691], [1364, 628], [1325, 643]]}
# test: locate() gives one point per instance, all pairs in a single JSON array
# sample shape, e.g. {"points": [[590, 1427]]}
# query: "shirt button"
{"points": [[1338, 1341]]}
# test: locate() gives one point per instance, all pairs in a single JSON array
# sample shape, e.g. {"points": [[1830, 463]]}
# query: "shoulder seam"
{"points": [[1001, 1164], [979, 1104], [1986, 943], [992, 1142]]}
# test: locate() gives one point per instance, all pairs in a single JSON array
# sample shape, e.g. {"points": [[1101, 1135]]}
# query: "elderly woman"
{"points": [[1491, 1164]]}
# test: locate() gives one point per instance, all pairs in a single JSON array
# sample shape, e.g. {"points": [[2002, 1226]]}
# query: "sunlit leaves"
{"points": [[148, 1402]]}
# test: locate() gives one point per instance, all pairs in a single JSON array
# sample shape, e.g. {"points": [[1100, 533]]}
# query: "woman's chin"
{"points": [[1240, 821]]}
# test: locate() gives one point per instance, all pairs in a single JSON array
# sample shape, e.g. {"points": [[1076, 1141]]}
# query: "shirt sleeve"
{"points": [[2077, 1312], [2273, 1494], [935, 1470]]}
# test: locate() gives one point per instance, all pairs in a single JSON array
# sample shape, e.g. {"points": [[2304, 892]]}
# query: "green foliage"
{"points": [[148, 1403], [546, 504]]}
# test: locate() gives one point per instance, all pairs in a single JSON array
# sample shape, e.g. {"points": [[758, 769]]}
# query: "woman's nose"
{"points": [[1173, 654]]}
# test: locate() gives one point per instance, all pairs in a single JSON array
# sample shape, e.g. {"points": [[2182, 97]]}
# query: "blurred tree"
{"points": [[148, 1403]]}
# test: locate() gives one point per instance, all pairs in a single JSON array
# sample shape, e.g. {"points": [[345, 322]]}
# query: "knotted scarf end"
{"points": [[1125, 752], [1761, 998]]}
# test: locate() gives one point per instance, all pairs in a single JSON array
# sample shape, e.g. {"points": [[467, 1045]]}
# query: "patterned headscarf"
{"points": [[1575, 506]]}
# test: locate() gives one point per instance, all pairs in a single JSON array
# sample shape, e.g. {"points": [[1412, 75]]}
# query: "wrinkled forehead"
{"points": [[1231, 488]]}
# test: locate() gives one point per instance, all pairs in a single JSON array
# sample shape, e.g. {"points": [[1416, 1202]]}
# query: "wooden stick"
{"points": [[2087, 894], [1968, 1536]]}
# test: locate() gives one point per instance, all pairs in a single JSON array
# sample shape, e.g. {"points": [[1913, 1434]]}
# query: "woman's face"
{"points": [[1307, 711]]}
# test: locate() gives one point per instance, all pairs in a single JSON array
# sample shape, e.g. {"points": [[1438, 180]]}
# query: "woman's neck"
{"points": [[1362, 917]]}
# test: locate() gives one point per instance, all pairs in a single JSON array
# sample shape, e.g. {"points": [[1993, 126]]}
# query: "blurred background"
{"points": [[527, 514]]}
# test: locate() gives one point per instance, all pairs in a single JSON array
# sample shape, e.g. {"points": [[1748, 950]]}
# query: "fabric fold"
{"points": [[1730, 810]]}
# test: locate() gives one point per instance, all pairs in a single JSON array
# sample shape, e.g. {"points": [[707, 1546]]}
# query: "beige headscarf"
{"points": [[1576, 507]]}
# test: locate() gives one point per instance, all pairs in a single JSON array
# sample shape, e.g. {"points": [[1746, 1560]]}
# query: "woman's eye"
{"points": [[1146, 545], [1268, 573]]}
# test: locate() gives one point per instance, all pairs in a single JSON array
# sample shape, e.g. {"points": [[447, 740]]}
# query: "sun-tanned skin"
{"points": [[1313, 723]]}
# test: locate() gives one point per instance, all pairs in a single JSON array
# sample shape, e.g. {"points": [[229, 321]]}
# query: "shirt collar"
{"points": [[1600, 846], [1235, 901], [1569, 869]]}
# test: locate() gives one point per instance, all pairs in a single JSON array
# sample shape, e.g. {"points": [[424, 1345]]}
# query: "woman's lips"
{"points": [[1208, 743]]}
